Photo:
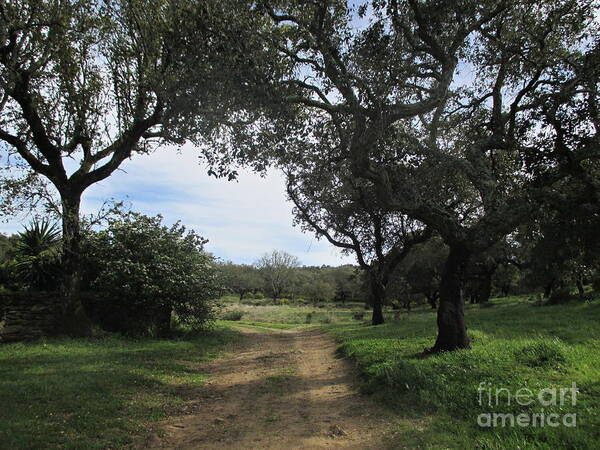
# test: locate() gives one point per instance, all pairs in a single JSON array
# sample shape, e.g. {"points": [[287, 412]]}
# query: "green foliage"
{"points": [[232, 314], [8, 277], [98, 393], [146, 271], [7, 246], [328, 318], [241, 279], [37, 255], [319, 290]]}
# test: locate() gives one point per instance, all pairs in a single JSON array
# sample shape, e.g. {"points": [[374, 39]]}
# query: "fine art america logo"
{"points": [[536, 403]]}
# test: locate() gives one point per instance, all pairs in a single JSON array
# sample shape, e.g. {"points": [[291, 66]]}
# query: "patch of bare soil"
{"points": [[283, 390]]}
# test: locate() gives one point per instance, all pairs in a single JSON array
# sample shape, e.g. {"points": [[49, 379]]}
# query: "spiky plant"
{"points": [[37, 255]]}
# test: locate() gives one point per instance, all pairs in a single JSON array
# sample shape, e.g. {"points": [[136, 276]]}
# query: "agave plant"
{"points": [[37, 255]]}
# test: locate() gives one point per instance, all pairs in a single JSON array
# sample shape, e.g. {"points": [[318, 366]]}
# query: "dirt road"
{"points": [[282, 390]]}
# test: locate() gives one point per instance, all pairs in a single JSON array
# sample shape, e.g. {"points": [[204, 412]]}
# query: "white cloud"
{"points": [[242, 219]]}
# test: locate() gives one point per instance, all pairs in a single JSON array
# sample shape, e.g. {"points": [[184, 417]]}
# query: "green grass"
{"points": [[96, 393], [263, 326], [515, 346], [293, 313]]}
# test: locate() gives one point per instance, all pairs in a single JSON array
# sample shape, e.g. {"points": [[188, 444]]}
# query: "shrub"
{"points": [[359, 315], [37, 256], [147, 273], [233, 314], [8, 276], [327, 319]]}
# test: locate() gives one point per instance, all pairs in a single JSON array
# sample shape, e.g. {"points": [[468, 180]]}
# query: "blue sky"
{"points": [[242, 219]]}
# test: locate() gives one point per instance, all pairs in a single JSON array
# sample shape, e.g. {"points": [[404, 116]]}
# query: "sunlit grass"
{"points": [[96, 393], [515, 345]]}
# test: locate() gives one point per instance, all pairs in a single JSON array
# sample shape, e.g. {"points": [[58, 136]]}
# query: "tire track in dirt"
{"points": [[283, 390]]}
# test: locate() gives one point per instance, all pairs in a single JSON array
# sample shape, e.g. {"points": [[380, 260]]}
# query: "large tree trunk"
{"points": [[452, 331], [75, 320], [377, 318], [378, 298]]}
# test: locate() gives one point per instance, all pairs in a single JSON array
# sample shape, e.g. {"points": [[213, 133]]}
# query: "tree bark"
{"points": [[452, 331], [548, 289], [378, 297], [579, 283], [431, 299], [377, 318], [75, 319]]}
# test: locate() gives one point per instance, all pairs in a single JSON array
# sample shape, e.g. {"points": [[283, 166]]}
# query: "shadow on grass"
{"points": [[95, 393]]}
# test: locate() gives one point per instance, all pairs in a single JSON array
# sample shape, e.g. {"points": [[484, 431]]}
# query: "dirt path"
{"points": [[283, 390]]}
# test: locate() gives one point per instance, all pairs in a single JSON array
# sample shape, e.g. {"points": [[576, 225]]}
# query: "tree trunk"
{"points": [[452, 331], [431, 300], [474, 297], [485, 287], [579, 283], [377, 318], [75, 320], [548, 289], [378, 296]]}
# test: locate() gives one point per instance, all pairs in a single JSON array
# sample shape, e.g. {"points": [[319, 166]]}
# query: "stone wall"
{"points": [[28, 315]]}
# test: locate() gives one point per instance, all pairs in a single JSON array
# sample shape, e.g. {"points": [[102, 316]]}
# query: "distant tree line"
{"points": [[278, 275], [524, 263]]}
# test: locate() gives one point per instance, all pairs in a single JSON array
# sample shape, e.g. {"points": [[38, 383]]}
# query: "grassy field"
{"points": [[293, 313], [515, 346], [96, 393]]}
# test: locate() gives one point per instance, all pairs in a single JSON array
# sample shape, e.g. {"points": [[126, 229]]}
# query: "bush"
{"points": [[147, 274], [327, 319], [232, 314], [359, 315], [37, 256]]}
